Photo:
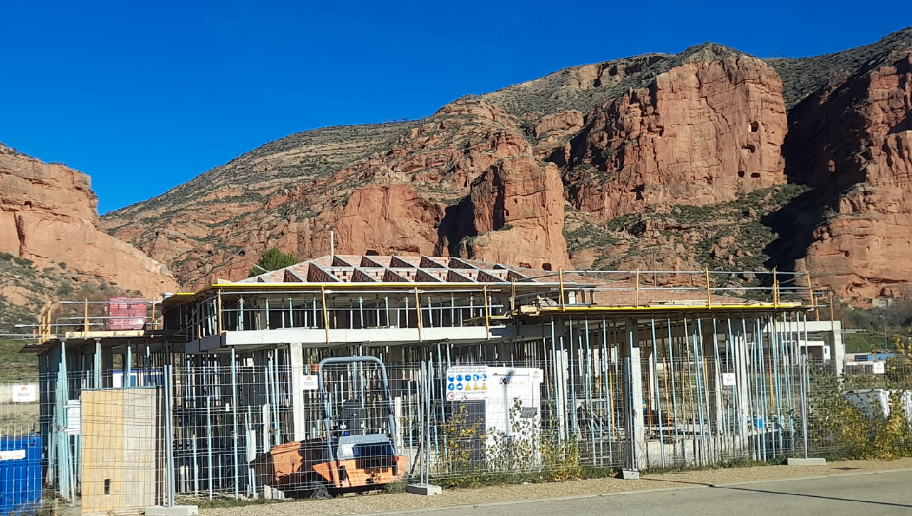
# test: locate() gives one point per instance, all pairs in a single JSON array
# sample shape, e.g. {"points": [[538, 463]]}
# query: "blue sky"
{"points": [[143, 96]]}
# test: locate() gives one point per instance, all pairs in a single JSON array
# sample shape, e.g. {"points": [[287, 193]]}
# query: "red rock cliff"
{"points": [[388, 220], [48, 215], [518, 214], [856, 140], [699, 134]]}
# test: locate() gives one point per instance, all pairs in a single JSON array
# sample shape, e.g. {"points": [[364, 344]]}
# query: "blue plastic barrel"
{"points": [[20, 474]]}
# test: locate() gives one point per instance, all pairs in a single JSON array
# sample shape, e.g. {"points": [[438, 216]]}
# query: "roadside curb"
{"points": [[635, 491], [811, 477]]}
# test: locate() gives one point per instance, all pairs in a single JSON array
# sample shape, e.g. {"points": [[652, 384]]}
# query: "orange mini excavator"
{"points": [[356, 446]]}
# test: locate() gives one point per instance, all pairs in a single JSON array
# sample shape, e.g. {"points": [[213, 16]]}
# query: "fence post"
{"points": [[168, 438], [805, 389]]}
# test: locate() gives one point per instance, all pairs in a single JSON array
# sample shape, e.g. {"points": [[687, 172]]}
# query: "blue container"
{"points": [[20, 474]]}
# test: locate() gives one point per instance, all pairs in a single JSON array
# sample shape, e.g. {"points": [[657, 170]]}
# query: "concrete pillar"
{"points": [[837, 349], [634, 397], [296, 361]]}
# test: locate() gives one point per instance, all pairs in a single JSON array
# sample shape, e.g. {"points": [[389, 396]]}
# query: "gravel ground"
{"points": [[379, 503]]}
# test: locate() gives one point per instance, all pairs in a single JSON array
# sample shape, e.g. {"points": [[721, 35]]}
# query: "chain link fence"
{"points": [[191, 427]]}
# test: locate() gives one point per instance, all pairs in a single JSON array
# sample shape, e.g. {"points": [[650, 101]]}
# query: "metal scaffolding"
{"points": [[583, 369]]}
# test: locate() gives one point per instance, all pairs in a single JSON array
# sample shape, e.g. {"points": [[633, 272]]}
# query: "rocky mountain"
{"points": [[51, 243], [710, 157], [851, 141]]}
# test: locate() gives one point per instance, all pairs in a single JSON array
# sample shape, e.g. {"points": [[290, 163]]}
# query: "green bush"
{"points": [[272, 260], [65, 289], [837, 426]]}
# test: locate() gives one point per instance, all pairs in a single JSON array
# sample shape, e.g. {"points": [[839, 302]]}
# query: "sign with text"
{"points": [[728, 379], [879, 368], [467, 383], [12, 455], [25, 393], [311, 382]]}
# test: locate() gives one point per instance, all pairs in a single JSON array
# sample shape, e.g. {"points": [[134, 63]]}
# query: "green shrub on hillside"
{"points": [[272, 260]]}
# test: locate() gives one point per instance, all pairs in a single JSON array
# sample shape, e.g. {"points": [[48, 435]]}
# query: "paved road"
{"points": [[872, 494]]}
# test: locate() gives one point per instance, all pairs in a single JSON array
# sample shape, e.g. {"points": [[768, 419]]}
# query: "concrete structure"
{"points": [[640, 369]]}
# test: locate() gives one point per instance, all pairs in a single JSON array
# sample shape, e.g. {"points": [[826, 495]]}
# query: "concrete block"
{"points": [[177, 510], [423, 489], [627, 474], [794, 461]]}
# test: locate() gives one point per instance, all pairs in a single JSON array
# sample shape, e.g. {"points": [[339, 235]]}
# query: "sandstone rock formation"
{"points": [[401, 194], [700, 134], [388, 220], [855, 141], [47, 215], [518, 215], [672, 161]]}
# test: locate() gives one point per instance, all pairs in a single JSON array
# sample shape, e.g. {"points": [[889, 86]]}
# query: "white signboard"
{"points": [[311, 382], [25, 393], [467, 383], [12, 455], [879, 368], [728, 379]]}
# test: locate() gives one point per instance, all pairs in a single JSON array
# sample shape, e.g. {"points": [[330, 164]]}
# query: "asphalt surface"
{"points": [[864, 494]]}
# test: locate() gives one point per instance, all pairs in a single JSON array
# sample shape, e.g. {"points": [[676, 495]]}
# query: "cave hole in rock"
{"points": [[750, 148], [525, 265], [754, 127], [546, 266], [371, 252], [639, 192], [242, 253], [845, 253], [740, 173], [28, 204], [755, 175]]}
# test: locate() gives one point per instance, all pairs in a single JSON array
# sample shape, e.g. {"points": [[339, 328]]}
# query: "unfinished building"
{"points": [[488, 366]]}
